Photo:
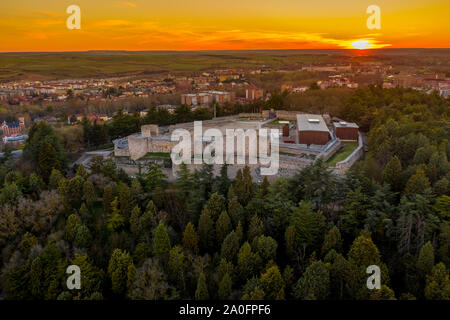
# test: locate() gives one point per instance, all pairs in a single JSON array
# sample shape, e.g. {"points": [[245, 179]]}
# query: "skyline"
{"points": [[197, 25]]}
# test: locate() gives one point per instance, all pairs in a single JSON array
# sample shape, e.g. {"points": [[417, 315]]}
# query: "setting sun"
{"points": [[362, 44]]}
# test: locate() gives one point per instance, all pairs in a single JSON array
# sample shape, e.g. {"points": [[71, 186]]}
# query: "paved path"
{"points": [[87, 156]]}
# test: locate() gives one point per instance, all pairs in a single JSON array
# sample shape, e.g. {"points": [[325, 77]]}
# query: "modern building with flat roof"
{"points": [[346, 130], [312, 129]]}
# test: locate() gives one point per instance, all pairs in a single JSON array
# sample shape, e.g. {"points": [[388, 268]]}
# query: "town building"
{"points": [[91, 117], [13, 128], [206, 98], [254, 93]]}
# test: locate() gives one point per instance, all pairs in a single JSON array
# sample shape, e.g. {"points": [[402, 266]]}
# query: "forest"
{"points": [[309, 237]]}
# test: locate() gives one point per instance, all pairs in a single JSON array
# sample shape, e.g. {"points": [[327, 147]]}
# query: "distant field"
{"points": [[89, 64], [15, 66]]}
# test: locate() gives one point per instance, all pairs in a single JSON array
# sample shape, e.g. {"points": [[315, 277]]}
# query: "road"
{"points": [[87, 156]]}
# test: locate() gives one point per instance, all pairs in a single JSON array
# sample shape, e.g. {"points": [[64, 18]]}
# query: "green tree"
{"points": [[92, 277], [236, 211], [333, 240], [384, 293], [245, 261], [176, 267], [190, 238], [89, 193], [417, 184], [438, 284], [47, 160], [223, 227], [83, 238], [272, 283], [442, 207], [392, 173], [265, 247], [116, 220], [55, 177], [71, 229], [214, 206], [243, 185], [425, 261], [206, 230], [314, 284], [108, 197], [256, 228], [225, 287], [161, 241], [126, 200], [118, 270], [201, 293], [154, 177], [81, 171], [230, 247]]}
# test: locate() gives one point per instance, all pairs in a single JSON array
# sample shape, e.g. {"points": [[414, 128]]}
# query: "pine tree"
{"points": [[332, 240], [206, 231], [223, 227], [272, 283], [230, 247], [81, 171], [190, 238], [55, 177], [222, 183], [126, 200], [392, 173], [315, 282], [116, 220], [161, 241], [264, 188], [47, 160], [83, 238], [176, 267], [245, 261], [118, 270], [135, 226], [425, 261], [236, 211], [108, 197], [202, 290], [417, 184], [89, 193], [214, 206], [225, 287], [72, 224], [384, 293], [256, 228], [184, 181], [243, 185], [438, 284]]}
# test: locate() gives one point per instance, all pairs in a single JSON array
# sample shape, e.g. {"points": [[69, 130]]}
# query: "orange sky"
{"points": [[30, 25]]}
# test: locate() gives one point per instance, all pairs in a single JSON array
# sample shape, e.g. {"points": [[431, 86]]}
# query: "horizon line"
{"points": [[230, 50]]}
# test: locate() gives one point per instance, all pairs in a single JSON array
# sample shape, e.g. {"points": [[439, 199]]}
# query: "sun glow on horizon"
{"points": [[362, 44]]}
